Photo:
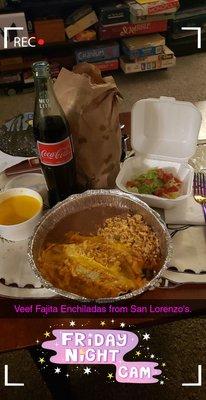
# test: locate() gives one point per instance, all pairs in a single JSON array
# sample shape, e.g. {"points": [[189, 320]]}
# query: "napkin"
{"points": [[14, 264], [188, 212], [189, 250], [7, 161]]}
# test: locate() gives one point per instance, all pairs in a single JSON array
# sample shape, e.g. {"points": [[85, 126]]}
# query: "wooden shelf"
{"points": [[40, 8]]}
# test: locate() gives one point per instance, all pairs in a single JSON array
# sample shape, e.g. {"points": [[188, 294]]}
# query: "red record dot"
{"points": [[41, 42]]}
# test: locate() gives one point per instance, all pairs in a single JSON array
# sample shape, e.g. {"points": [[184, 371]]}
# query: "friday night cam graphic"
{"points": [[139, 354]]}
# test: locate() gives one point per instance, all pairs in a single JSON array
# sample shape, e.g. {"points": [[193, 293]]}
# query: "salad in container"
{"points": [[164, 135], [158, 182]]}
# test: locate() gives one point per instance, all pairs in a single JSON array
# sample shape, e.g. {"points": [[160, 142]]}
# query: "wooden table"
{"points": [[23, 332]]}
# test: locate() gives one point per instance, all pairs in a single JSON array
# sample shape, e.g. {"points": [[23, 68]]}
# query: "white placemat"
{"points": [[14, 266], [189, 248], [26, 293], [187, 213], [7, 161]]}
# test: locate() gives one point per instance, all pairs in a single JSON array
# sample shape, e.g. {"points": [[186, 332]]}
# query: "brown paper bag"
{"points": [[91, 106]]}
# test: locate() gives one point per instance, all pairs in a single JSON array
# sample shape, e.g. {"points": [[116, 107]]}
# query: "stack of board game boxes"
{"points": [[81, 26], [135, 17], [130, 19], [105, 56], [145, 53], [122, 32]]}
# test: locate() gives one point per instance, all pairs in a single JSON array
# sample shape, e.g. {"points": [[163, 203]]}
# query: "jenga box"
{"points": [[51, 30], [11, 21]]}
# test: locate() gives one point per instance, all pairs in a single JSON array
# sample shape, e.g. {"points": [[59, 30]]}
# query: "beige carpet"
{"points": [[185, 81]]}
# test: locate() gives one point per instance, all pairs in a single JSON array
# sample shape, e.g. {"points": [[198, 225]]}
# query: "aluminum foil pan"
{"points": [[85, 213]]}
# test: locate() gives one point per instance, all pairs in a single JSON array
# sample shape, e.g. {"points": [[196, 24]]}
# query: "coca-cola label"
{"points": [[55, 154]]}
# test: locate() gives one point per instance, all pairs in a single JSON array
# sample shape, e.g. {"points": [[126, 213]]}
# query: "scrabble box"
{"points": [[127, 30]]}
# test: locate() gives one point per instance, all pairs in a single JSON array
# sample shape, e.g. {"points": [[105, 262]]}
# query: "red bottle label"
{"points": [[55, 154]]}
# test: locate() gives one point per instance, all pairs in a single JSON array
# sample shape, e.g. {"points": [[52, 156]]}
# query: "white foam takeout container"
{"points": [[164, 134], [24, 229]]}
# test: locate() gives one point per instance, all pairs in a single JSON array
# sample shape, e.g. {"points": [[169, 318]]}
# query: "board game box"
{"points": [[99, 52], [126, 30]]}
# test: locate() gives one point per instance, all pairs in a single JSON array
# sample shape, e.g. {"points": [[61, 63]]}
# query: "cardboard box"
{"points": [[143, 45], [78, 14], [129, 66], [166, 54], [108, 65], [100, 52], [157, 7], [28, 77], [3, 3], [10, 78], [85, 36], [148, 18], [51, 30], [11, 21], [82, 24], [11, 64], [167, 63], [63, 60], [126, 30], [114, 13], [193, 11], [192, 21]]}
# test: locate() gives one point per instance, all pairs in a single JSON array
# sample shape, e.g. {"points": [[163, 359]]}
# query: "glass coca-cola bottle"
{"points": [[52, 134]]}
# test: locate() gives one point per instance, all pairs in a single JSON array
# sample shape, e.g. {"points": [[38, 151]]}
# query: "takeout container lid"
{"points": [[164, 128], [164, 134]]}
